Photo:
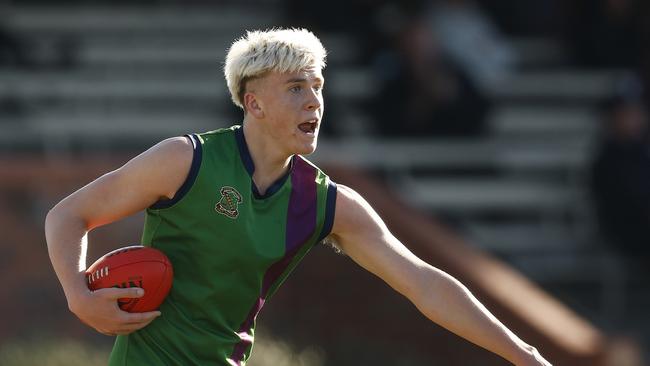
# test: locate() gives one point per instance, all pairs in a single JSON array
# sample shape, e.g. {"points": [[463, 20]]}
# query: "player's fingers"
{"points": [[117, 293], [136, 318]]}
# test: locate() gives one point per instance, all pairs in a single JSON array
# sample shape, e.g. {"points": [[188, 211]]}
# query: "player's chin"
{"points": [[306, 144], [306, 148]]}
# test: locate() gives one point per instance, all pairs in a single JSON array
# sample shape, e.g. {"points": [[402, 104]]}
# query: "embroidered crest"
{"points": [[229, 202]]}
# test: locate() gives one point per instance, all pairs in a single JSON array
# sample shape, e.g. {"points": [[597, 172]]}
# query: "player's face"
{"points": [[293, 108]]}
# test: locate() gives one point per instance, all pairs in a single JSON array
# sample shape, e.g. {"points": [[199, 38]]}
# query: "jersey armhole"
{"points": [[330, 208], [197, 156]]}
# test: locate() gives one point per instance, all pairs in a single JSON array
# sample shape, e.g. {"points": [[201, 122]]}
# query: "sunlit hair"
{"points": [[281, 50]]}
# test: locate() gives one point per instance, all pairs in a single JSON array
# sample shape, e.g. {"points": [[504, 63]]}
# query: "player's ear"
{"points": [[252, 105]]}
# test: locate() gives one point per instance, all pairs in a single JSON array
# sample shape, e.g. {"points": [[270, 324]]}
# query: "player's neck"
{"points": [[270, 162]]}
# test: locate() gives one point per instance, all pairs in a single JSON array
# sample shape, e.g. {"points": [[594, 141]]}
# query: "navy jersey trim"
{"points": [[197, 157], [330, 208], [247, 160], [276, 185]]}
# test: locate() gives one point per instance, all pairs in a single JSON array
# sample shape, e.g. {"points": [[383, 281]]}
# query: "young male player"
{"points": [[235, 210]]}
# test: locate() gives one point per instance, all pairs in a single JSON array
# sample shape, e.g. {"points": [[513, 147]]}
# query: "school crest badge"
{"points": [[229, 202]]}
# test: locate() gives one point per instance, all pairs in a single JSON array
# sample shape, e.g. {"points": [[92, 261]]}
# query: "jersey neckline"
{"points": [[247, 160]]}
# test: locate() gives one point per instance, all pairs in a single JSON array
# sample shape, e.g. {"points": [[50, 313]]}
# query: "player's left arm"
{"points": [[363, 236]]}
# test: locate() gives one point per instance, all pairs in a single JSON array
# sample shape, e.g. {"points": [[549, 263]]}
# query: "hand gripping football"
{"points": [[134, 266]]}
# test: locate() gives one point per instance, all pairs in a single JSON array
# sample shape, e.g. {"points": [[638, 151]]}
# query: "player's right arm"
{"points": [[149, 177]]}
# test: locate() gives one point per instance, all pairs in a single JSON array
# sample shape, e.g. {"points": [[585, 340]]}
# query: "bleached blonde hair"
{"points": [[278, 49]]}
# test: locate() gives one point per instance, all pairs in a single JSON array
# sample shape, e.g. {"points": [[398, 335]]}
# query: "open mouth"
{"points": [[308, 127]]}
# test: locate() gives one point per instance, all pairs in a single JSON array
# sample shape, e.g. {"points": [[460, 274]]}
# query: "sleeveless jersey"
{"points": [[230, 248]]}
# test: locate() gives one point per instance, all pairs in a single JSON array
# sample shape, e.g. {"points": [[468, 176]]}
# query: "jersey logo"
{"points": [[229, 202]]}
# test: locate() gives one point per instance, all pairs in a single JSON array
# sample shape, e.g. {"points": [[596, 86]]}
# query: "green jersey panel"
{"points": [[231, 248]]}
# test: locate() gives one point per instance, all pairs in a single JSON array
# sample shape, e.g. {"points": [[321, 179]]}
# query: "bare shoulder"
{"points": [[346, 197], [164, 165], [349, 206], [175, 151], [170, 157], [354, 216]]}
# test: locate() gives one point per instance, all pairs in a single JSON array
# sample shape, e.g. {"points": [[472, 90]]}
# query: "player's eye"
{"points": [[295, 89]]}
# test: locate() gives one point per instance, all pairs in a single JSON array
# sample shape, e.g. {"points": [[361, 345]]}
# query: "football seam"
{"points": [[165, 263], [89, 272]]}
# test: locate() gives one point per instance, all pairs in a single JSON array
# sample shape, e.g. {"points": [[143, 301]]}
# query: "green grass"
{"points": [[268, 351], [51, 352]]}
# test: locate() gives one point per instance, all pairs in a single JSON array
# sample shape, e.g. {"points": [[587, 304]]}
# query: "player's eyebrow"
{"points": [[302, 80]]}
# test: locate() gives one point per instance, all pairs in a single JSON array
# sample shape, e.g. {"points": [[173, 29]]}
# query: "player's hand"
{"points": [[532, 357], [99, 310]]}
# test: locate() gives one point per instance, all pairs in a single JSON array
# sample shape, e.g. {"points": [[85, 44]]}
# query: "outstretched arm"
{"points": [[153, 175], [362, 235]]}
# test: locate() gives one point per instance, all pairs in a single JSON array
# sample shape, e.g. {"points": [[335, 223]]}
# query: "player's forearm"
{"points": [[449, 303], [66, 242]]}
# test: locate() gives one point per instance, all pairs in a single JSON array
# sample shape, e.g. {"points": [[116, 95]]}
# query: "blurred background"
{"points": [[513, 133]]}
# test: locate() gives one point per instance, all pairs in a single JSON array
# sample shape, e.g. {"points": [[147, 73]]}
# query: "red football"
{"points": [[134, 266]]}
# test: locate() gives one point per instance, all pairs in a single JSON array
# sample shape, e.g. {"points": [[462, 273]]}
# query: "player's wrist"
{"points": [[76, 299], [77, 293]]}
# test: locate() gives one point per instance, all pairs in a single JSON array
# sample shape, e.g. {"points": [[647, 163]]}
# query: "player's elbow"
{"points": [[61, 218], [55, 215], [50, 219]]}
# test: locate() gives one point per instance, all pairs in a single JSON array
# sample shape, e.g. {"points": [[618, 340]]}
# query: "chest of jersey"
{"points": [[230, 247]]}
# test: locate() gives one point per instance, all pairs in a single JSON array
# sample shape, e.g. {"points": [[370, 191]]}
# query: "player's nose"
{"points": [[314, 101]]}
